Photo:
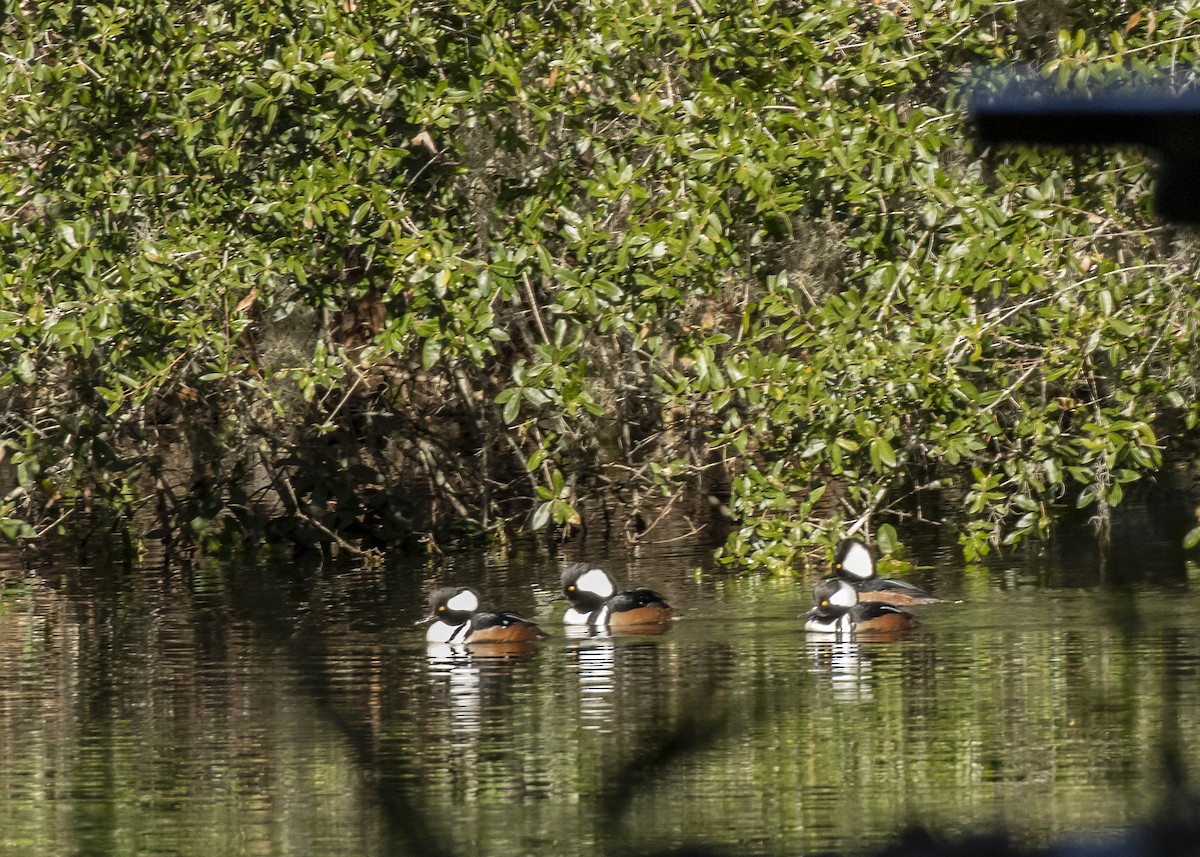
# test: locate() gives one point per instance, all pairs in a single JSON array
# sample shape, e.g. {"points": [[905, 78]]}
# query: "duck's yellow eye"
{"points": [[824, 603], [837, 565], [571, 588], [441, 608]]}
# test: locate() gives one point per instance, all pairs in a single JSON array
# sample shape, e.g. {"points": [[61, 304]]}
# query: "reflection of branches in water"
{"points": [[659, 749], [656, 753], [405, 823], [1173, 832]]}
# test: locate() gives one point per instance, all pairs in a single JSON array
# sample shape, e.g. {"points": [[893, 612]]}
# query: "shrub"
{"points": [[365, 273]]}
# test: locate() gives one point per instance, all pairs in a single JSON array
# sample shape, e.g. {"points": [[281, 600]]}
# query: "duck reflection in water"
{"points": [[472, 690], [472, 673], [617, 677], [451, 668], [596, 661], [840, 663]]}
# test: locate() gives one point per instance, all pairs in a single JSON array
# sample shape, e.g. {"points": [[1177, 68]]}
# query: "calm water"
{"points": [[161, 709]]}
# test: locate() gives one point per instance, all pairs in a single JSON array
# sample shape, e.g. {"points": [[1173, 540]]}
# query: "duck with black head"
{"points": [[854, 563], [457, 618], [596, 603], [836, 609]]}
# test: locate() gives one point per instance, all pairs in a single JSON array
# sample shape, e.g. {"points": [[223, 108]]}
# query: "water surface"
{"points": [[271, 707]]}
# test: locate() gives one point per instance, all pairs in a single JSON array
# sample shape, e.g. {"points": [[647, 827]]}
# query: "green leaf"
{"points": [[66, 231], [886, 539], [512, 407], [542, 515], [431, 352], [882, 454]]}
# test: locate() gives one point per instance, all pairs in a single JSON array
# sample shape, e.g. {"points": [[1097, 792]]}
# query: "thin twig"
{"points": [[1011, 388], [865, 518], [900, 275], [533, 307]]}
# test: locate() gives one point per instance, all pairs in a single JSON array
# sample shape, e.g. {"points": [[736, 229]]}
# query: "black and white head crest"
{"points": [[451, 608], [844, 596], [459, 600], [464, 602], [596, 581], [834, 595], [854, 559]]}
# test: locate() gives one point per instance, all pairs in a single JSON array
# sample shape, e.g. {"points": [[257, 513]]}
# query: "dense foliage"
{"points": [[370, 270]]}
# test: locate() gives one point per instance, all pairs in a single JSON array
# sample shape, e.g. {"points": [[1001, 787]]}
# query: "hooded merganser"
{"points": [[457, 619], [837, 610], [596, 603], [854, 563]]}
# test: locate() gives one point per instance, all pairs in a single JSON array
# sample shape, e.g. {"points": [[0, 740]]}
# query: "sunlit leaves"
{"points": [[609, 244]]}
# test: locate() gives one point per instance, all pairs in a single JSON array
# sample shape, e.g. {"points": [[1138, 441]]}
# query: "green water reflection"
{"points": [[160, 709]]}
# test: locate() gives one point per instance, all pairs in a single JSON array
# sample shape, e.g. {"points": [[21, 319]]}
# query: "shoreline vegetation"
{"points": [[364, 274]]}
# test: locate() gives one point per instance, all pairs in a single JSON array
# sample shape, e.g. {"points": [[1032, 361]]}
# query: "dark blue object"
{"points": [[1167, 125]]}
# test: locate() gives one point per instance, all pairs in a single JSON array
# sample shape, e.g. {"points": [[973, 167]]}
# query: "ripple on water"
{"points": [[136, 715]]}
